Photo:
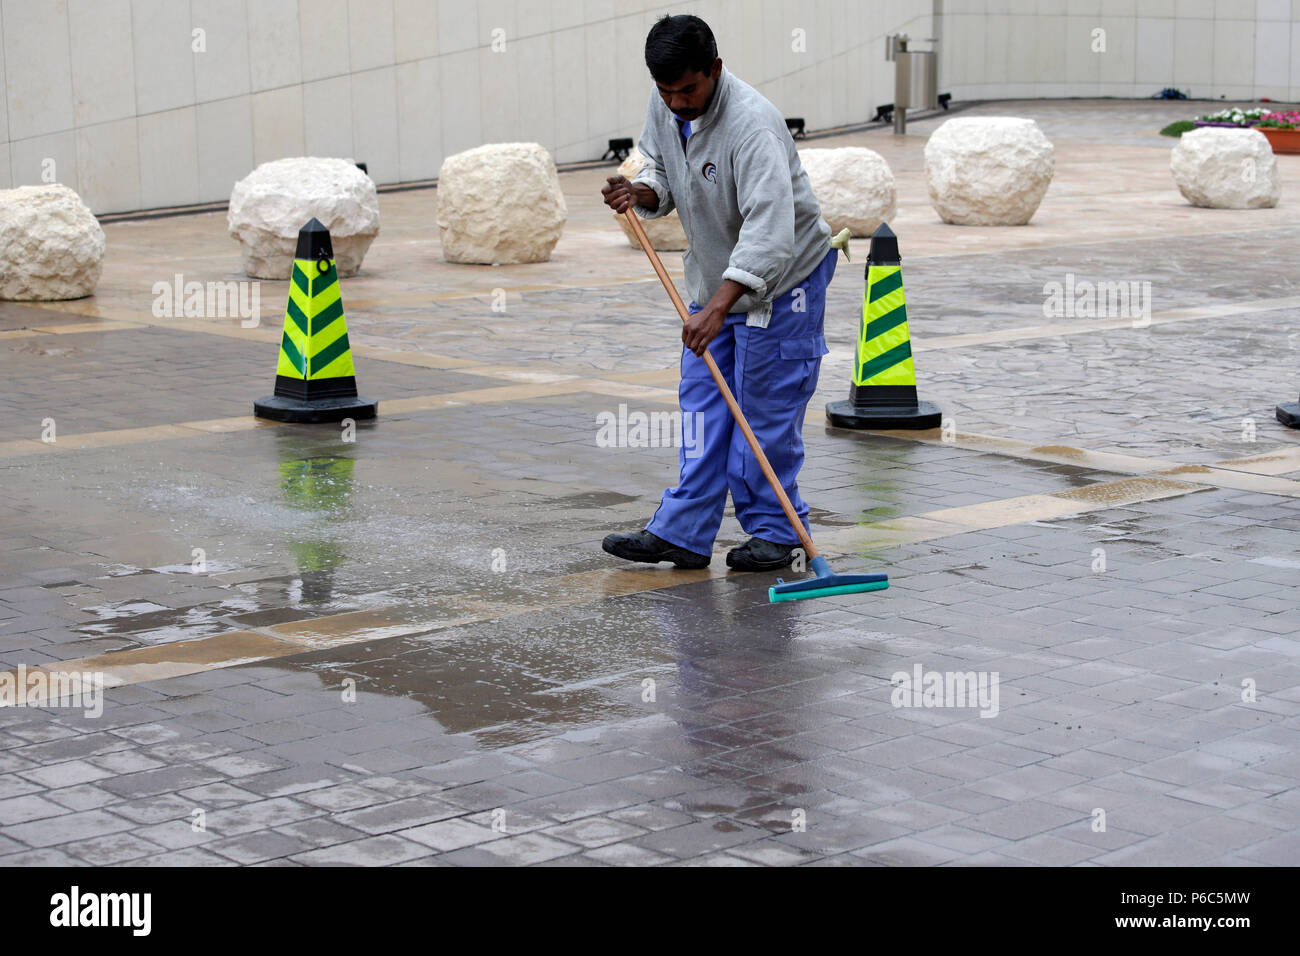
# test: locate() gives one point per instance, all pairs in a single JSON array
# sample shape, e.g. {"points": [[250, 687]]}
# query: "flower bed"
{"points": [[1287, 120], [1233, 116], [1282, 130]]}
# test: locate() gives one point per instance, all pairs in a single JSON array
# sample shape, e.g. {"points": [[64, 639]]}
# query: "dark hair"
{"points": [[678, 45]]}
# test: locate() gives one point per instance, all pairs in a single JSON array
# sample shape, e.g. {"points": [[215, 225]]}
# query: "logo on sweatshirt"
{"points": [[709, 172]]}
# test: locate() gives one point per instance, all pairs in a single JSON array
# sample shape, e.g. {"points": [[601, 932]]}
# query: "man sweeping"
{"points": [[757, 269]]}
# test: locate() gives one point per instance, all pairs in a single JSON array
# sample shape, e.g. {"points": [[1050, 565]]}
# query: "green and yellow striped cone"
{"points": [[883, 393], [314, 379]]}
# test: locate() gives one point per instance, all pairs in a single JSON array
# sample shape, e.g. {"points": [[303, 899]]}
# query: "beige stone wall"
{"points": [[1234, 49], [111, 98]]}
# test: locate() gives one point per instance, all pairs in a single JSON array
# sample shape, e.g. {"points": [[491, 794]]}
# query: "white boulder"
{"points": [[988, 170], [853, 185], [51, 246], [665, 232], [1223, 168], [275, 200], [500, 203]]}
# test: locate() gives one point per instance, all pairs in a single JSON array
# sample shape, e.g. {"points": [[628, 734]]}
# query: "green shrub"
{"points": [[1178, 129]]}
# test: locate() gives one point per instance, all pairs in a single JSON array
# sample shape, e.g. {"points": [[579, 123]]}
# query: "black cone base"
{"points": [[281, 409], [1289, 414], [884, 417]]}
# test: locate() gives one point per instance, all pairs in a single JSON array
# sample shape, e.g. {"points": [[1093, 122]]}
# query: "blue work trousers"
{"points": [[773, 373]]}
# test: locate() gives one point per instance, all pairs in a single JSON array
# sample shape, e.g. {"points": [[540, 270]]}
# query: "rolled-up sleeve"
{"points": [[652, 171], [765, 196]]}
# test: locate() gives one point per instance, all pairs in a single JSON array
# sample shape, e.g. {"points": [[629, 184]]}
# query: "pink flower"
{"points": [[1290, 119]]}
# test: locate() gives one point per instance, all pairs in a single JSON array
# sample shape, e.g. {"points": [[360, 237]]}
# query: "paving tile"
{"points": [[649, 817], [715, 860], [258, 847], [906, 851], [960, 838], [1164, 850], [342, 797], [114, 849], [1274, 851], [219, 795], [292, 780], [452, 834], [592, 832], [243, 764], [43, 857], [397, 788], [191, 856], [248, 817], [8, 846], [67, 828], [372, 851], [319, 832], [1112, 838], [1022, 820], [1226, 834], [1267, 811], [27, 808], [701, 837], [627, 854], [67, 774], [164, 780], [527, 848], [398, 815], [176, 834], [571, 805], [126, 761]]}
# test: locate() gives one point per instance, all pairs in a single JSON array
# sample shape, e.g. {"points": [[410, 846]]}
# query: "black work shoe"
{"points": [[759, 555], [650, 548]]}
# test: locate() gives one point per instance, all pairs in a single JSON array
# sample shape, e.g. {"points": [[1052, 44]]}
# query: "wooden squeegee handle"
{"points": [[805, 539]]}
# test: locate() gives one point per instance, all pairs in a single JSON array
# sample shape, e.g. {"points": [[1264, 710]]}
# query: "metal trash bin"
{"points": [[916, 78]]}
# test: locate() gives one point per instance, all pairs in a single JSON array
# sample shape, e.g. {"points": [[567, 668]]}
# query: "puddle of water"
{"points": [[1273, 562], [124, 570], [831, 520], [149, 623], [554, 672], [593, 499], [107, 612], [209, 567]]}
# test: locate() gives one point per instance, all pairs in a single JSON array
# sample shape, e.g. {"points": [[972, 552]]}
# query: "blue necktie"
{"points": [[685, 127]]}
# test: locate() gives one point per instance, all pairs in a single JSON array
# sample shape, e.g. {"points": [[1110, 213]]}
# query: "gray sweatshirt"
{"points": [[742, 195]]}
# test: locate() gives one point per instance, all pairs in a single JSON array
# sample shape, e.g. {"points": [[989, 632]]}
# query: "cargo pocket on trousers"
{"points": [[801, 359]]}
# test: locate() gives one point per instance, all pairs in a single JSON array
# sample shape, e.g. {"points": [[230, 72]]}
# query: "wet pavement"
{"points": [[404, 646]]}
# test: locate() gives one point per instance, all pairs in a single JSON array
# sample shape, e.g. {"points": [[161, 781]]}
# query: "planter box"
{"points": [[1282, 140], [1221, 124]]}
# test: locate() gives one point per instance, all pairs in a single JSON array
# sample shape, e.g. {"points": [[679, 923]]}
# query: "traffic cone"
{"points": [[883, 393], [1289, 414], [314, 380]]}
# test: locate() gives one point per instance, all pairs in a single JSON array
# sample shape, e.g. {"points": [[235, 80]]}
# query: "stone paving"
{"points": [[410, 650]]}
